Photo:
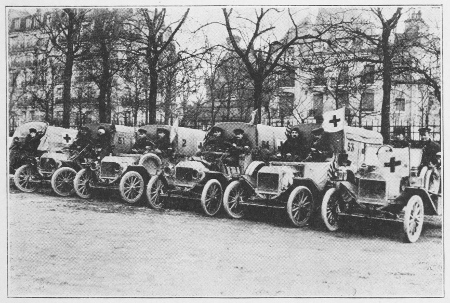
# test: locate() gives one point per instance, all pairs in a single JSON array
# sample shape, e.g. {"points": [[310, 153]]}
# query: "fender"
{"points": [[150, 162], [428, 204], [254, 167], [216, 175], [248, 182], [141, 170], [310, 184]]}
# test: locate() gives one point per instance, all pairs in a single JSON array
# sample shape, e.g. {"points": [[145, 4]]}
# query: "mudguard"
{"points": [[429, 205], [311, 185], [141, 170], [216, 175], [150, 162]]}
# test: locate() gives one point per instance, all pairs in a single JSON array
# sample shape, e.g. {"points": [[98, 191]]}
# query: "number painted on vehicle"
{"points": [[183, 143]]}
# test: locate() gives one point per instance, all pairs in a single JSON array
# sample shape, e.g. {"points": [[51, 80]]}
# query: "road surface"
{"points": [[69, 247]]}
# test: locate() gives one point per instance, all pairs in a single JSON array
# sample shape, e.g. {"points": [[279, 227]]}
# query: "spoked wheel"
{"points": [[131, 187], [155, 188], [232, 198], [413, 220], [62, 181], [82, 183], [300, 206], [211, 197], [23, 178], [330, 209]]}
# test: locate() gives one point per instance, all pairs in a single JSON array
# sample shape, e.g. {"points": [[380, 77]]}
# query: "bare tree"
{"points": [[64, 29], [261, 60], [154, 37], [104, 55]]}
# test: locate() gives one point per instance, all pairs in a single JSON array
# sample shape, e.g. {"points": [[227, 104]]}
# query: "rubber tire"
{"points": [[226, 199], [151, 183], [76, 184], [140, 179], [324, 207], [204, 193], [290, 202], [17, 174], [55, 176], [407, 236]]}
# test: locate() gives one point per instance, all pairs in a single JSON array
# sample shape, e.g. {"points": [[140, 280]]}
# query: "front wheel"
{"points": [[23, 178], [211, 197], [413, 219], [155, 188], [82, 183], [300, 206], [131, 187], [62, 181], [330, 210], [233, 196]]}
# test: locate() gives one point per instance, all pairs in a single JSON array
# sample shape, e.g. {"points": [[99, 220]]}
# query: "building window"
{"points": [[343, 75], [368, 75], [400, 104], [28, 23], [319, 77], [287, 78], [367, 101], [342, 99], [317, 105], [286, 104], [17, 23]]}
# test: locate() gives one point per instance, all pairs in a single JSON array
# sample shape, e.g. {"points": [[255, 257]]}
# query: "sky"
{"points": [[191, 37]]}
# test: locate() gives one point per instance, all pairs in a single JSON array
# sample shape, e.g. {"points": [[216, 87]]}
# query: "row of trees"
{"points": [[138, 50]]}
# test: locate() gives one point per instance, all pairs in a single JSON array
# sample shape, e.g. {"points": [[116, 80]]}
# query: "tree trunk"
{"points": [[67, 79], [103, 107], [108, 103], [167, 105], [257, 97], [387, 85], [153, 94]]}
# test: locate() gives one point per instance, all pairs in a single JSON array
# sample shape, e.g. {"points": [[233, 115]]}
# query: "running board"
{"points": [[262, 205]]}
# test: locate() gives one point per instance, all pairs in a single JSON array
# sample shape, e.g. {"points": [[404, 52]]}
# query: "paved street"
{"points": [[101, 247]]}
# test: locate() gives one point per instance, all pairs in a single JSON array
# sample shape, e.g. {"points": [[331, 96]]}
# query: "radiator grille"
{"points": [[109, 169], [268, 182], [184, 173]]}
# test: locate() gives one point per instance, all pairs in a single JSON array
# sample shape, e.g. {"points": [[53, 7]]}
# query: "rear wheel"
{"points": [[131, 187], [82, 183], [23, 178], [211, 197], [155, 188], [62, 181], [300, 206], [413, 219], [233, 196], [330, 209]]}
